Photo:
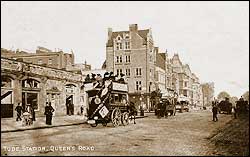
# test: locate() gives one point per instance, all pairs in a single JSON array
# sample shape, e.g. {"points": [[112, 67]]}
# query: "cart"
{"points": [[107, 103]]}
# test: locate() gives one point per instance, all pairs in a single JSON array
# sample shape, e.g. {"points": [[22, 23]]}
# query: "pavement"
{"points": [[11, 125]]}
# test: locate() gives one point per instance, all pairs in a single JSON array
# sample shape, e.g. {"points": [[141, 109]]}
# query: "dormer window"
{"points": [[127, 36], [118, 38]]}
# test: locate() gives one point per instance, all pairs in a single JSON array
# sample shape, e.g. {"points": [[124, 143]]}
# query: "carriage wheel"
{"points": [[116, 117], [125, 118], [93, 125], [104, 124]]}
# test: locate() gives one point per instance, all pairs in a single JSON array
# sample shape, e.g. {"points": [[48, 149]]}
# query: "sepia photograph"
{"points": [[124, 78]]}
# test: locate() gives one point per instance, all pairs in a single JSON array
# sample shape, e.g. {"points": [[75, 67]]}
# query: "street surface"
{"points": [[184, 134]]}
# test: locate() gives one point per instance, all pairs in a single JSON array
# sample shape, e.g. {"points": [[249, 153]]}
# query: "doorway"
{"points": [[69, 105], [30, 98]]}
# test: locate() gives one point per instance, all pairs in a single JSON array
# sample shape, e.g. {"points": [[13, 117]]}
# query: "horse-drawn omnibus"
{"points": [[225, 106], [107, 102]]}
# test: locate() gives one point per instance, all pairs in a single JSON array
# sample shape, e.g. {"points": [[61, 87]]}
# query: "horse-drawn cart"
{"points": [[107, 102]]}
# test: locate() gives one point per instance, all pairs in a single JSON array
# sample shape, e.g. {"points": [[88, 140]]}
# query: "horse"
{"points": [[132, 111]]}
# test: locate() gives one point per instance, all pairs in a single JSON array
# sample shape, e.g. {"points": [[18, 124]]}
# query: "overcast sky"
{"points": [[212, 37]]}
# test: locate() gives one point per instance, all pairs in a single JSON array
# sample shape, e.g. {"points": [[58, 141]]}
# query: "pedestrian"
{"points": [[49, 112], [234, 110], [163, 110], [30, 111], [81, 109], [215, 112], [33, 112], [87, 79], [241, 99], [19, 109]]}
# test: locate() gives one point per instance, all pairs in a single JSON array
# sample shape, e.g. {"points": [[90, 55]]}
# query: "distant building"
{"points": [[43, 56], [79, 67], [208, 93], [197, 91], [163, 73]]}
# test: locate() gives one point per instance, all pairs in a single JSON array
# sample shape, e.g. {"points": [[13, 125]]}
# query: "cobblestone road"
{"points": [[183, 134]]}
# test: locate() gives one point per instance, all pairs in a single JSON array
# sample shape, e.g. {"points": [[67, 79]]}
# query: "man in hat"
{"points": [[121, 80], [215, 111], [111, 76], [93, 77], [87, 79], [18, 109], [49, 112]]}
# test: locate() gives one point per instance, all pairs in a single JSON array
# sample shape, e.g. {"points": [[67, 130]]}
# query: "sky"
{"points": [[212, 37]]}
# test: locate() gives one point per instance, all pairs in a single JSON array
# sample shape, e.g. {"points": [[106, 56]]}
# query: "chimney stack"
{"points": [[133, 27], [109, 33]]}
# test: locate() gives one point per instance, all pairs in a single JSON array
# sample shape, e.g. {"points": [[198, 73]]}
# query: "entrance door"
{"points": [[69, 105], [30, 98]]}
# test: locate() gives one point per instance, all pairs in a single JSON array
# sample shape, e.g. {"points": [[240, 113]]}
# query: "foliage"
{"points": [[222, 95], [233, 99], [246, 96]]}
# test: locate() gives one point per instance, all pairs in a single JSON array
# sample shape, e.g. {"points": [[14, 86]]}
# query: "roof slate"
{"points": [[142, 33]]}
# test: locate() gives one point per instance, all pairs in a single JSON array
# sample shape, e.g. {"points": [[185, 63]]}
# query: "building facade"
{"points": [[132, 53], [43, 56], [208, 93], [33, 84]]}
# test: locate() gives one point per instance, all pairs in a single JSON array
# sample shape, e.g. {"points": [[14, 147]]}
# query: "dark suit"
{"points": [[215, 112], [49, 112]]}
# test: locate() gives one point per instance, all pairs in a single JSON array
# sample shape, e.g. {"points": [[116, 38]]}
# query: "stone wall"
{"points": [[52, 85]]}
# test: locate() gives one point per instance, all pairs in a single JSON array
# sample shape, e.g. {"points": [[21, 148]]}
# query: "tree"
{"points": [[233, 99], [222, 95], [246, 96]]}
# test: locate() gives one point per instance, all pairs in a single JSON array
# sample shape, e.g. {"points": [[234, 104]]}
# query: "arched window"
{"points": [[6, 97], [70, 88], [6, 81], [30, 93], [30, 83]]}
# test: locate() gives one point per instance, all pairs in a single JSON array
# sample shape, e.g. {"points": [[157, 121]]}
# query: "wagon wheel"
{"points": [[116, 117], [174, 111], [125, 118], [93, 125], [104, 123]]}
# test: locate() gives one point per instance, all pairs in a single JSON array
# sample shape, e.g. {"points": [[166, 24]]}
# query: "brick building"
{"points": [[132, 53], [43, 56]]}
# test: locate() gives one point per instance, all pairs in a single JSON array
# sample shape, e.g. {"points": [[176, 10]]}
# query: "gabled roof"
{"points": [[160, 60], [142, 33]]}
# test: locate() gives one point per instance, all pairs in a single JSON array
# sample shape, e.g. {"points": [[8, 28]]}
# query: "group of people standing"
{"points": [[25, 110], [107, 76], [28, 113], [234, 109]]}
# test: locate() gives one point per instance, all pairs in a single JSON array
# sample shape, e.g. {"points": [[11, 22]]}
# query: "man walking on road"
{"points": [[215, 112]]}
